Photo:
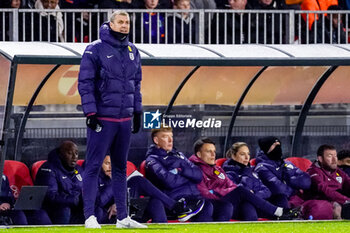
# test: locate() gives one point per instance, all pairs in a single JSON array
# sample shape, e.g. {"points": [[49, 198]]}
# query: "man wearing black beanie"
{"points": [[281, 177]]}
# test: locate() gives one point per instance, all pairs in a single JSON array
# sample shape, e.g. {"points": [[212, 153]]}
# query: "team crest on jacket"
{"points": [[219, 174], [131, 55], [339, 179], [79, 177]]}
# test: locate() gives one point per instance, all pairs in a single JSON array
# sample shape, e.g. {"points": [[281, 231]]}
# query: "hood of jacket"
{"points": [[106, 36], [54, 159]]}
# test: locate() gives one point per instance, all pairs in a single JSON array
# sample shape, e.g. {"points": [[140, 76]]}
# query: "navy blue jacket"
{"points": [[110, 77], [6, 195], [105, 196], [346, 169], [281, 177], [246, 177], [159, 164], [64, 187]]}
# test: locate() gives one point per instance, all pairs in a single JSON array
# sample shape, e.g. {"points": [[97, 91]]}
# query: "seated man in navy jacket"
{"points": [[175, 175], [63, 177], [281, 177], [105, 208]]}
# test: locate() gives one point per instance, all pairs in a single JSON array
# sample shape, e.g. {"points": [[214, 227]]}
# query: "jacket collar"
{"points": [[107, 37]]}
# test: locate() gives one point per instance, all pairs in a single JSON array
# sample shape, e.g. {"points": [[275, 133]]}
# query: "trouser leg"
{"points": [[155, 210], [119, 156], [241, 194], [222, 211], [97, 148], [206, 215], [279, 200], [141, 186]]}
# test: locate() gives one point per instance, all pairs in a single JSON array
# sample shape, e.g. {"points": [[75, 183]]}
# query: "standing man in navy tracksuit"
{"points": [[109, 84], [62, 175]]}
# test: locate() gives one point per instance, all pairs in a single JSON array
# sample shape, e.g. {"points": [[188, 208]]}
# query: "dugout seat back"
{"points": [[80, 162], [302, 163], [35, 168], [18, 175], [142, 168], [220, 162], [130, 168], [253, 162]]}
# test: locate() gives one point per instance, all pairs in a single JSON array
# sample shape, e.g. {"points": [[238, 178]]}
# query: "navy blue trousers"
{"points": [[139, 186], [246, 204], [114, 138], [279, 200]]}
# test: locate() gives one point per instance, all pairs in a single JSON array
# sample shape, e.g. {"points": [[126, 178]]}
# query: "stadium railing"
{"points": [[202, 27]]}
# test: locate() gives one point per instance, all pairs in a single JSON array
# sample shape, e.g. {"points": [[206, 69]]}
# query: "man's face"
{"points": [[242, 156], [164, 140], [183, 5], [265, 2], [69, 154], [121, 23], [49, 4], [15, 3], [207, 153], [106, 166], [151, 4], [237, 4], [329, 159]]}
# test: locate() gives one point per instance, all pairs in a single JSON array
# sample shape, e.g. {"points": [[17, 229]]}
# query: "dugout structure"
{"points": [[202, 81]]}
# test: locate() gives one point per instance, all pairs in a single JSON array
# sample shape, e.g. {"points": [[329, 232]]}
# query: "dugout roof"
{"points": [[39, 73]]}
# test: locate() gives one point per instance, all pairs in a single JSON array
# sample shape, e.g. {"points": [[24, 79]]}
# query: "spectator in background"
{"points": [[329, 183], [62, 175], [175, 175], [216, 186], [344, 161], [183, 23], [52, 32], [281, 177], [83, 26], [238, 169], [265, 22], [114, 4], [335, 30], [315, 5], [149, 27], [238, 26]]}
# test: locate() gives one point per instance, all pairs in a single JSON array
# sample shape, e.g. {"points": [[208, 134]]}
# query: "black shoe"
{"points": [[185, 210], [291, 214]]}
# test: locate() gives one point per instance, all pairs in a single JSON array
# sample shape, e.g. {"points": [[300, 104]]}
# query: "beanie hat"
{"points": [[266, 142]]}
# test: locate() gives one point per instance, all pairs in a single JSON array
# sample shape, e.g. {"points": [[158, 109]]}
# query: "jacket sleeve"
{"points": [[89, 69], [256, 186], [105, 195], [138, 78], [271, 181], [48, 177], [318, 184], [6, 193], [191, 171], [205, 192], [295, 177], [165, 177]]}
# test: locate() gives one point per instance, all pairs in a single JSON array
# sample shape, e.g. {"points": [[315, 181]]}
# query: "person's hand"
{"points": [[5, 206], [93, 123], [112, 210], [136, 123]]}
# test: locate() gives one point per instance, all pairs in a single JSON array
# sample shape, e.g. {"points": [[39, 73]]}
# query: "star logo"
{"points": [[151, 120], [155, 115]]}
